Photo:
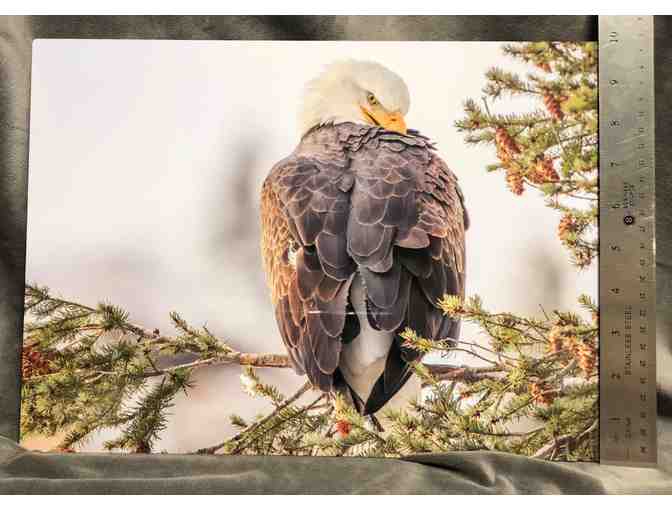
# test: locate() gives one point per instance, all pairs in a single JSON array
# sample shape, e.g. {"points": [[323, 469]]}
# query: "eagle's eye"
{"points": [[371, 99]]}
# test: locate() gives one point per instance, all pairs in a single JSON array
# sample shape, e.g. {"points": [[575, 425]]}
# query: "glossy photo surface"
{"points": [[312, 248]]}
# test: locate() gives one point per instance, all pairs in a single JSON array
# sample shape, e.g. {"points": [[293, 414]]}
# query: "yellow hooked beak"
{"points": [[392, 121]]}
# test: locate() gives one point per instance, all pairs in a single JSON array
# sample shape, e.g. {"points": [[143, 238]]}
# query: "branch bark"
{"points": [[266, 360], [464, 373]]}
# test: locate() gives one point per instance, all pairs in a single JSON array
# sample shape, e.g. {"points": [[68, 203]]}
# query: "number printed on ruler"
{"points": [[627, 257]]}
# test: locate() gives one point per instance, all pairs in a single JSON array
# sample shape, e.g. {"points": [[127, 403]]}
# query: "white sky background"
{"points": [[146, 161]]}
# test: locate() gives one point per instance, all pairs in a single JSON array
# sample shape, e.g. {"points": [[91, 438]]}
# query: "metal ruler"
{"points": [[627, 242]]}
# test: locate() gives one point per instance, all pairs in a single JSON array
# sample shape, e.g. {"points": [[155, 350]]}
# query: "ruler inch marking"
{"points": [[627, 295]]}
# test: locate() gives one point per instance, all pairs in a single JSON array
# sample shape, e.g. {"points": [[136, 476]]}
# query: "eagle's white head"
{"points": [[355, 91]]}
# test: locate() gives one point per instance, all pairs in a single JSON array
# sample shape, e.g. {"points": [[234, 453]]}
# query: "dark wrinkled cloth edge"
{"points": [[462, 472]]}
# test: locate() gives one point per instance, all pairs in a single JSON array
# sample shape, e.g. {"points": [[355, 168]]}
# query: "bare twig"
{"points": [[265, 360], [556, 443], [464, 373]]}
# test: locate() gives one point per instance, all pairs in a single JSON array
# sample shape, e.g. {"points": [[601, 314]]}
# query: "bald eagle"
{"points": [[362, 233]]}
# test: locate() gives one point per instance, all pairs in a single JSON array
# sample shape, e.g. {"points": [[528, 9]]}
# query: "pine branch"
{"points": [[241, 435], [553, 149], [162, 342], [556, 443]]}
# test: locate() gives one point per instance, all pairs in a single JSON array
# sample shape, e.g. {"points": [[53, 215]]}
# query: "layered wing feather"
{"points": [[356, 200], [406, 233]]}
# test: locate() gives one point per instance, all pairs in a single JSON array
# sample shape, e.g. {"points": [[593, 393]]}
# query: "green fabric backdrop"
{"points": [[464, 472]]}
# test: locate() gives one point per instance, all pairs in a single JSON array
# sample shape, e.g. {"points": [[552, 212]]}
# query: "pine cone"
{"points": [[504, 157], [514, 180], [553, 106], [563, 338], [572, 344], [541, 393], [556, 339], [534, 176], [505, 143], [35, 362], [543, 171], [582, 256], [567, 225], [544, 66], [586, 356], [343, 428]]}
